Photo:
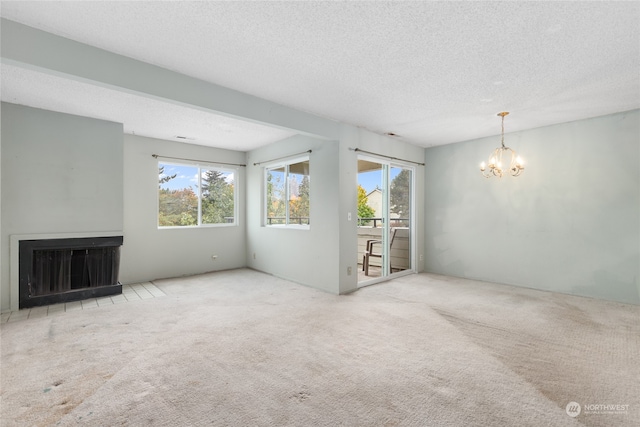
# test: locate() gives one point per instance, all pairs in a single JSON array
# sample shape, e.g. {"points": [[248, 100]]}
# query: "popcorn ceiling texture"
{"points": [[430, 72]]}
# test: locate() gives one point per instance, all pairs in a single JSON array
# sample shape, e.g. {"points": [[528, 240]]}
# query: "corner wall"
{"points": [[309, 257], [60, 174], [569, 224], [151, 253]]}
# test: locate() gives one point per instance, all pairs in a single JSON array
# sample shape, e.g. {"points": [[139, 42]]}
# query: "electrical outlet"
{"points": [[349, 216], [214, 257], [348, 271], [421, 257]]}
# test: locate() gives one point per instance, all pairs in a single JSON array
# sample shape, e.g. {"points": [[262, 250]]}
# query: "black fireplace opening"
{"points": [[62, 270]]}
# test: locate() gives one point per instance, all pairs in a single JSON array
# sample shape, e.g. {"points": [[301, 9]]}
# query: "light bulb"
{"points": [[518, 161], [482, 166], [492, 161]]}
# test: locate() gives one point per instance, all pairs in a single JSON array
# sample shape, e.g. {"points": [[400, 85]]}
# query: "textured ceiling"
{"points": [[430, 72]]}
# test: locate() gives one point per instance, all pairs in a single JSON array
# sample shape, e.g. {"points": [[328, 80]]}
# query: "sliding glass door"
{"points": [[385, 219]]}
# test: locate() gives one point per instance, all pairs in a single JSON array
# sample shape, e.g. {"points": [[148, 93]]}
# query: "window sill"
{"points": [[289, 227], [199, 227]]}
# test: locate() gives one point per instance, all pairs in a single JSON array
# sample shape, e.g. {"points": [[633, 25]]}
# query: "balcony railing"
{"points": [[281, 220], [374, 222], [362, 222]]}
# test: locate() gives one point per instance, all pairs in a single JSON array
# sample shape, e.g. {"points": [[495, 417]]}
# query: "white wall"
{"points": [[60, 174], [5, 302], [569, 224], [309, 257], [150, 253]]}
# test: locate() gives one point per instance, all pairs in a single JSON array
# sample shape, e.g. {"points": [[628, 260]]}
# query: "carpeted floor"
{"points": [[242, 348]]}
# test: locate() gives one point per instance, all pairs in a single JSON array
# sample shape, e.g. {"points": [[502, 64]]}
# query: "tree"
{"points": [[364, 210], [177, 207], [217, 197], [276, 206], [401, 194], [162, 178], [299, 205]]}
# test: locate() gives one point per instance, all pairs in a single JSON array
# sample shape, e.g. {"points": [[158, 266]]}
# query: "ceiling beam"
{"points": [[30, 48]]}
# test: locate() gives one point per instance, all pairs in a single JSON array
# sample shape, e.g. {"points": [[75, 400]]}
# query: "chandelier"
{"points": [[495, 167]]}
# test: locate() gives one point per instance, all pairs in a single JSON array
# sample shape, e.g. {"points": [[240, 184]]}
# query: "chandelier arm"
{"points": [[495, 166]]}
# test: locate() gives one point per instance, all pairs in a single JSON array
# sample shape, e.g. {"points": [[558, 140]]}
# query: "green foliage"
{"points": [[277, 204], [217, 198], [299, 206], [276, 207], [364, 210], [180, 207], [177, 207], [401, 194], [164, 179]]}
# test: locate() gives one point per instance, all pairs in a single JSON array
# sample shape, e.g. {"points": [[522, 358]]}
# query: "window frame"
{"points": [[201, 167], [284, 164]]}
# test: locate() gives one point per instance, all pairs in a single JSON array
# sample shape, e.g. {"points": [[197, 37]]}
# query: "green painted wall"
{"points": [[569, 224]]}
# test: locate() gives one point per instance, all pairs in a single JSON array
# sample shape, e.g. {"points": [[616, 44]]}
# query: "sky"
{"points": [[372, 179], [187, 176]]}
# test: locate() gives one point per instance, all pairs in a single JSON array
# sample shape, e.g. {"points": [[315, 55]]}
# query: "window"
{"points": [[191, 195], [287, 194]]}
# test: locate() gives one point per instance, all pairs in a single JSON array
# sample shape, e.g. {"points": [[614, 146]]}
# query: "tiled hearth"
{"points": [[134, 292]]}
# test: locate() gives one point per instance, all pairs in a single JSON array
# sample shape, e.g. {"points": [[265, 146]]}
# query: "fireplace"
{"points": [[61, 270]]}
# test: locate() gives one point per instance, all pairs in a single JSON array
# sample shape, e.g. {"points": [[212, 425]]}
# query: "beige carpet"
{"points": [[243, 348]]}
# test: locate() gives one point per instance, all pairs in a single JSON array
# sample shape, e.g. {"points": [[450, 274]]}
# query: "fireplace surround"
{"points": [[68, 269]]}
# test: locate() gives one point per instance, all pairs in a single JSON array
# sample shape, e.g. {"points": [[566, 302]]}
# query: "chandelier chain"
{"points": [[502, 140]]}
